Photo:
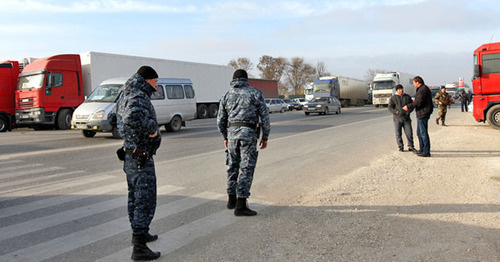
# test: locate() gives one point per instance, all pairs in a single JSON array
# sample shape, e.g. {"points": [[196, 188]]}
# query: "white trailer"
{"points": [[211, 80], [350, 91], [384, 86]]}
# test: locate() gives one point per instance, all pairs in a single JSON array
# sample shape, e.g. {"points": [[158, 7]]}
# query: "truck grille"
{"points": [[27, 102], [382, 95]]}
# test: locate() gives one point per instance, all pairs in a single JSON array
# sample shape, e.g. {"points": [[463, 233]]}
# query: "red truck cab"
{"points": [[9, 71], [48, 91], [486, 84]]}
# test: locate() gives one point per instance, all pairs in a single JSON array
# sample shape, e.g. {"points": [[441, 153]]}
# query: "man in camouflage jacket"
{"points": [[137, 125], [240, 110], [442, 100]]}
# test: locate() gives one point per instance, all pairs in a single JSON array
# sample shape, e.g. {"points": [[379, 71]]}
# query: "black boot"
{"points": [[148, 237], [437, 121], [141, 250], [442, 122], [242, 209], [231, 202]]}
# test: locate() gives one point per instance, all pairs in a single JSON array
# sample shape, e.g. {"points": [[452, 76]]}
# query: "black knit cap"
{"points": [[240, 73], [147, 72]]}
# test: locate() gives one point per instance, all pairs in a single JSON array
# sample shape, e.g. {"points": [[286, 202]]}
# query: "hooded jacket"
{"points": [[243, 104], [136, 116]]}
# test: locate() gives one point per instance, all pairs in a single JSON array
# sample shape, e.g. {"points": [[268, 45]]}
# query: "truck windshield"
{"points": [[321, 87], [383, 85], [105, 93], [30, 81]]}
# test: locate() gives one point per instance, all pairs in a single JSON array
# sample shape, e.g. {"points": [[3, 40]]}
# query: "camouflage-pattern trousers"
{"points": [[141, 194], [241, 155], [442, 112]]}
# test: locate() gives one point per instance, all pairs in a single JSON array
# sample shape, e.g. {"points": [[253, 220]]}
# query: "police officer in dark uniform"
{"points": [[242, 114], [137, 124]]}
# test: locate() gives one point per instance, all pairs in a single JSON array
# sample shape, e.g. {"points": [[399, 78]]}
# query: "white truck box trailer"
{"points": [[211, 81], [384, 86]]}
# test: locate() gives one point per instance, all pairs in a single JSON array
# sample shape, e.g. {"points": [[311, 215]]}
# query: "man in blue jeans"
{"points": [[423, 107]]}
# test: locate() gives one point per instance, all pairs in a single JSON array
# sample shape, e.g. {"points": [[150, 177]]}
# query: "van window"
{"points": [[188, 89], [159, 94], [175, 92]]}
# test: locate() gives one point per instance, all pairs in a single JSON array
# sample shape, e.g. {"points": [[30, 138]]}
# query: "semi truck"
{"points": [[486, 84], [384, 86], [9, 71], [349, 91], [49, 89]]}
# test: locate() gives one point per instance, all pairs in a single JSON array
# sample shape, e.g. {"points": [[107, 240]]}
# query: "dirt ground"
{"points": [[442, 208], [400, 208]]}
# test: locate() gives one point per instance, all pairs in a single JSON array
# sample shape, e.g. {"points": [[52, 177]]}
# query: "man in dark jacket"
{"points": [[137, 124], [423, 107], [241, 109], [401, 117]]}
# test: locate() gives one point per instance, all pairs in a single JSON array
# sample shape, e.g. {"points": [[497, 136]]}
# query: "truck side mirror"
{"points": [[477, 71]]}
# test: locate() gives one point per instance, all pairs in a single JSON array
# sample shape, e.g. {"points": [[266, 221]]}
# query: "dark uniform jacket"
{"points": [[396, 103], [423, 102], [136, 116], [243, 104]]}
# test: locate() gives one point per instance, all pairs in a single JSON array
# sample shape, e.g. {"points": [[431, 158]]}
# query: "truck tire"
{"points": [[213, 109], [88, 133], [174, 125], [202, 111], [4, 124], [306, 113], [338, 111], [327, 111], [493, 116], [64, 119], [115, 133]]}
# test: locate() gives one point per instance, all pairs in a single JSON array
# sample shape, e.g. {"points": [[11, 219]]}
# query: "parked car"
{"points": [[288, 103], [276, 105], [322, 105], [294, 104]]}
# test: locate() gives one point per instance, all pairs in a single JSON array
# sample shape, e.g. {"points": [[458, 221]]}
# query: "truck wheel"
{"points": [[88, 133], [282, 110], [4, 123], [338, 111], [202, 111], [174, 125], [213, 110], [115, 133], [64, 119], [327, 111], [493, 116], [307, 113]]}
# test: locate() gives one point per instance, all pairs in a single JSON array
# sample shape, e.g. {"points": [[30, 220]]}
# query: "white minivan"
{"points": [[174, 103]]}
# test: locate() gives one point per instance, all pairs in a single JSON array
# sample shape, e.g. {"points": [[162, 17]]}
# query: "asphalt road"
{"points": [[63, 196]]}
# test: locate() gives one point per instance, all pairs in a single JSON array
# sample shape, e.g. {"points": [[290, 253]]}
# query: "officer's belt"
{"points": [[240, 124], [136, 151]]}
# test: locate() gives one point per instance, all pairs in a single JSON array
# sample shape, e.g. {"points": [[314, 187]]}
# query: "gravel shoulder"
{"points": [[399, 208]]}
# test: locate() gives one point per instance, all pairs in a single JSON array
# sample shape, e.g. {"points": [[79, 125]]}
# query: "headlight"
{"points": [[320, 106], [98, 115]]}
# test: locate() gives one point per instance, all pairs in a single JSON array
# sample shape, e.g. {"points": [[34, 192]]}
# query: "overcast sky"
{"points": [[434, 39]]}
